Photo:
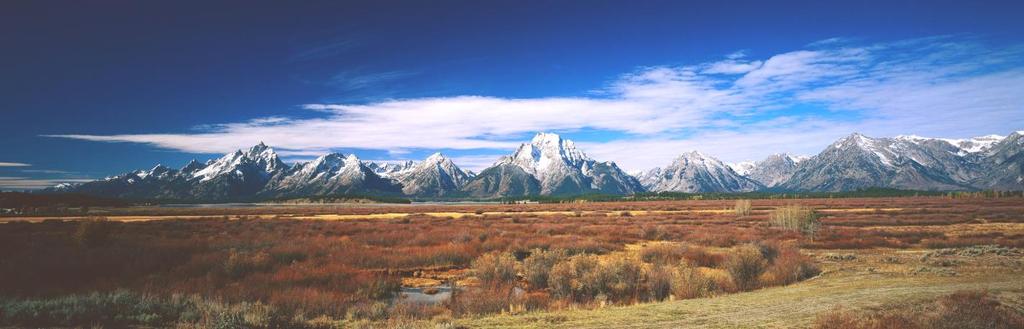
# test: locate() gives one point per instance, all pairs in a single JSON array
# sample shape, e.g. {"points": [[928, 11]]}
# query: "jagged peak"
{"points": [[261, 150], [329, 159], [855, 137], [328, 156], [192, 166], [542, 138], [544, 151], [783, 156], [693, 153], [696, 156], [435, 158]]}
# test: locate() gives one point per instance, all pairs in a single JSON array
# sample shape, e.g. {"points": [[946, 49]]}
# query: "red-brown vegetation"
{"points": [[351, 267]]}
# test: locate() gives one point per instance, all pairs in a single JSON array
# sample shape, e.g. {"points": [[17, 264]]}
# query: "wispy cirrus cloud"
{"points": [[14, 164], [325, 50], [738, 108], [354, 80]]}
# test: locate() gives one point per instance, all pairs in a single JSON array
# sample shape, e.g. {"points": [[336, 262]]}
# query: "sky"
{"points": [[93, 89]]}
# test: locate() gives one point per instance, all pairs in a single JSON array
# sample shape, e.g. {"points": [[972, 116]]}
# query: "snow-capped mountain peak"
{"points": [[192, 166], [351, 159], [434, 176], [390, 169], [696, 172], [547, 152], [553, 166], [260, 156], [437, 157], [742, 168], [966, 145]]}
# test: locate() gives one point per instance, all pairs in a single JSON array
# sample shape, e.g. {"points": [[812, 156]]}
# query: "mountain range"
{"points": [[550, 165]]}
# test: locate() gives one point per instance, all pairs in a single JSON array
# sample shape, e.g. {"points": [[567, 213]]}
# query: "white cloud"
{"points": [[25, 183], [737, 108], [731, 66], [14, 164]]}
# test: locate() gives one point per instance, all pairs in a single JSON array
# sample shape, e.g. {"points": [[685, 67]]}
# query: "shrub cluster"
{"points": [[795, 218], [537, 267], [127, 309], [663, 270], [495, 268], [742, 207]]}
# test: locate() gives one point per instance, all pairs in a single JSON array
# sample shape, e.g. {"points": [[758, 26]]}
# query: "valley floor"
{"points": [[355, 266]]}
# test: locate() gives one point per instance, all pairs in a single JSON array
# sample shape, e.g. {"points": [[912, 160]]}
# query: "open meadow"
{"points": [[909, 262]]}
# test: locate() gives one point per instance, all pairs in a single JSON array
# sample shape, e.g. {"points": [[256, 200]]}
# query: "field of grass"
{"points": [[697, 263]]}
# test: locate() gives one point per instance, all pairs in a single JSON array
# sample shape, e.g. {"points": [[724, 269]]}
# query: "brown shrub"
{"points": [[481, 300], [569, 278], [619, 278], [974, 309], [689, 282], [698, 256], [240, 264], [533, 301], [658, 281], [788, 266], [495, 268], [742, 207], [841, 319], [745, 264], [662, 253], [537, 266]]}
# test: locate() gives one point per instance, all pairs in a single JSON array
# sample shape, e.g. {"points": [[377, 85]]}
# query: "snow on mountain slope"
{"points": [[773, 170], [435, 176], [742, 168], [559, 169], [694, 172], [391, 169], [258, 159]]}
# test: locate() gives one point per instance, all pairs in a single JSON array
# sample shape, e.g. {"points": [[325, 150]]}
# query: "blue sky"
{"points": [[94, 89]]}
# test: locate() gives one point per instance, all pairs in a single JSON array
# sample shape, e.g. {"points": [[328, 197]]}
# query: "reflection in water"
{"points": [[438, 294], [419, 295]]}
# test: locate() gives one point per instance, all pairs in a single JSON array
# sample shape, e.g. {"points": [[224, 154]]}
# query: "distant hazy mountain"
{"points": [[331, 174], [695, 172], [237, 175], [772, 171], [550, 165], [905, 162], [1002, 164]]}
